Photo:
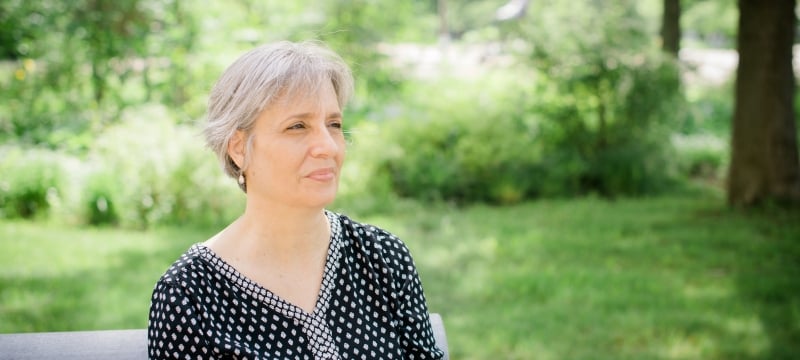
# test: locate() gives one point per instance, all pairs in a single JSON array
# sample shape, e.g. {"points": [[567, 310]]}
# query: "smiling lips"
{"points": [[326, 174]]}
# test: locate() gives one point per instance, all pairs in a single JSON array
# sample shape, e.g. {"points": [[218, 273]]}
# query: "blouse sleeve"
{"points": [[412, 313], [174, 330]]}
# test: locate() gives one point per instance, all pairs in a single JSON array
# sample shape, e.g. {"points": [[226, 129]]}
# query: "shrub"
{"points": [[493, 138], [100, 200], [610, 98], [702, 156], [150, 171], [451, 151], [710, 110], [613, 128], [580, 114], [32, 181], [363, 187]]}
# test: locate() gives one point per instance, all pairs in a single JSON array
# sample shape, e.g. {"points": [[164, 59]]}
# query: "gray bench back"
{"points": [[109, 344]]}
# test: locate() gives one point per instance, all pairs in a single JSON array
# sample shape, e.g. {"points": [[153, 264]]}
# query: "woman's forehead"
{"points": [[305, 94], [317, 100]]}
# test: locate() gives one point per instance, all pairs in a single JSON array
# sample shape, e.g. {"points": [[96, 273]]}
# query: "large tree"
{"points": [[671, 27], [764, 164]]}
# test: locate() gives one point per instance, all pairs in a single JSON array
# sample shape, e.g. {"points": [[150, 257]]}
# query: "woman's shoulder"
{"points": [[187, 265], [368, 232], [375, 241]]}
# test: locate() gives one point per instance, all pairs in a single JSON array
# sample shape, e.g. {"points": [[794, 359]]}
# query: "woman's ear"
{"points": [[236, 148]]}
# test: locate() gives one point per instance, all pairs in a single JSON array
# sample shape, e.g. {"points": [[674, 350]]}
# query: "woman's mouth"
{"points": [[326, 174]]}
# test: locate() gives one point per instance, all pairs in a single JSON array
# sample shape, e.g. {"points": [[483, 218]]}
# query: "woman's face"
{"points": [[298, 150]]}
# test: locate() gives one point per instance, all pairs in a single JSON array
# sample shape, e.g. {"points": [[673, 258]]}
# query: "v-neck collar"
{"points": [[266, 296]]}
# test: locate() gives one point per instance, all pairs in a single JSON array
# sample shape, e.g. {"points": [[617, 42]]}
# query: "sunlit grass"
{"points": [[664, 278], [57, 278]]}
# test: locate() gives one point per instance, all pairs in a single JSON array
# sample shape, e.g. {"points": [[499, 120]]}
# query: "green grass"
{"points": [[676, 277], [56, 278]]}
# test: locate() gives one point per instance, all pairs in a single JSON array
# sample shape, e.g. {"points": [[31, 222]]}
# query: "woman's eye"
{"points": [[297, 126], [336, 125]]}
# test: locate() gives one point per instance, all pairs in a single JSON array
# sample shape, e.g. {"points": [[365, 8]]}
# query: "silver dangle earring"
{"points": [[241, 178]]}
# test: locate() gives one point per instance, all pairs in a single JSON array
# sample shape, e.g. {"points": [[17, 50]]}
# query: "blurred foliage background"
{"points": [[102, 102], [461, 105]]}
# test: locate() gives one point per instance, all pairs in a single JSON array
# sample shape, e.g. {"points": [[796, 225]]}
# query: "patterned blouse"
{"points": [[370, 306]]}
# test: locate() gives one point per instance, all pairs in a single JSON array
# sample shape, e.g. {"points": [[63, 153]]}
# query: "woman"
{"points": [[288, 279]]}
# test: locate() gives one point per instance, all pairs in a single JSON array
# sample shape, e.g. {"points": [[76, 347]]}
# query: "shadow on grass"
{"points": [[666, 278], [771, 281]]}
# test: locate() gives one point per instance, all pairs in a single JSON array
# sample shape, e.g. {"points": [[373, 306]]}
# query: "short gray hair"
{"points": [[257, 79]]}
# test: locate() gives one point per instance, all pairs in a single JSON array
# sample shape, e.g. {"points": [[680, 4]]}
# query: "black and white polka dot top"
{"points": [[370, 306]]}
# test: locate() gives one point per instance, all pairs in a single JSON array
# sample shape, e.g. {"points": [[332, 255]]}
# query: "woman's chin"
{"points": [[320, 199]]}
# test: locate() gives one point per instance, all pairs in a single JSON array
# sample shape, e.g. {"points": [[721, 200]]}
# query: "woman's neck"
{"points": [[281, 249], [278, 232]]}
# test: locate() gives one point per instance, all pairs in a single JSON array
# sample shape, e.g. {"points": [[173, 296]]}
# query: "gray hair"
{"points": [[258, 79]]}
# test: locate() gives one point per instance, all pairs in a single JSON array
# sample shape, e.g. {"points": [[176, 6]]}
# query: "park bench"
{"points": [[109, 344]]}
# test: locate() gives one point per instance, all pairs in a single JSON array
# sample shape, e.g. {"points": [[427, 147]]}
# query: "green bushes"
{"points": [[470, 143], [584, 104], [490, 138], [143, 172], [588, 109], [494, 138], [100, 199], [32, 181], [486, 138], [702, 156], [156, 172]]}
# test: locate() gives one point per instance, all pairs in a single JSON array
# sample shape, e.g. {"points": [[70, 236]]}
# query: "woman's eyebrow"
{"points": [[300, 116], [306, 115]]}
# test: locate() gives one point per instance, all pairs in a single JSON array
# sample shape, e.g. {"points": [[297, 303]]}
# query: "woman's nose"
{"points": [[323, 143]]}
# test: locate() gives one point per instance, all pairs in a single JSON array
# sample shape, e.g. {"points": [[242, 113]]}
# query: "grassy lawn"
{"points": [[676, 277]]}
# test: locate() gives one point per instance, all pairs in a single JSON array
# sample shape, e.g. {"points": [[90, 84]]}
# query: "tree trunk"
{"points": [[671, 27], [764, 164], [444, 28]]}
